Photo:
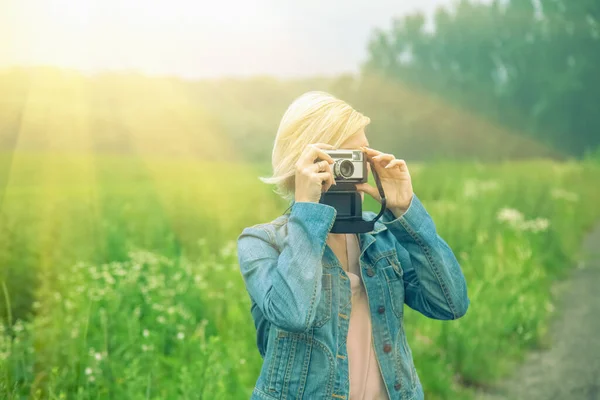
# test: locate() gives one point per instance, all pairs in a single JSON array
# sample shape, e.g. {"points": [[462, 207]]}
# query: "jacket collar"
{"points": [[365, 239]]}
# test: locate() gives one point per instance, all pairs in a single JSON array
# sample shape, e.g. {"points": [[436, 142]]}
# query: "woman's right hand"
{"points": [[310, 183]]}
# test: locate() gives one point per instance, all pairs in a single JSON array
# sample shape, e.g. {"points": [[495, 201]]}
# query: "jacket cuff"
{"points": [[316, 217], [413, 218]]}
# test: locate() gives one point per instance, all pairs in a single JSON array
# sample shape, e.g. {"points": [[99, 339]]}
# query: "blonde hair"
{"points": [[314, 117]]}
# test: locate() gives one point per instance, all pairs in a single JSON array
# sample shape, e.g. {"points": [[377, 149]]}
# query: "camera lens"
{"points": [[344, 168]]}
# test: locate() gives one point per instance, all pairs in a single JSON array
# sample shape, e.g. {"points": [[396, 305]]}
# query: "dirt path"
{"points": [[570, 369]]}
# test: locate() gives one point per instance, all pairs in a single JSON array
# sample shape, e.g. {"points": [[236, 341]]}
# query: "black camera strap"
{"points": [[381, 194], [354, 223]]}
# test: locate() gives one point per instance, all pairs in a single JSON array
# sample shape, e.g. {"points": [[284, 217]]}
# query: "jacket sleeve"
{"points": [[286, 286], [434, 282]]}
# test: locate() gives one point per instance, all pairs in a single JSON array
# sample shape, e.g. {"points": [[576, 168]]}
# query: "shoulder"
{"points": [[267, 231]]}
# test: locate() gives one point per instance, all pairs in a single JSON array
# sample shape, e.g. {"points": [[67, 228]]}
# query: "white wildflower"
{"points": [[147, 347], [160, 319], [146, 333], [516, 220], [88, 371], [559, 193], [18, 326], [98, 356], [180, 335], [228, 249], [108, 278], [510, 215], [535, 225], [158, 307]]}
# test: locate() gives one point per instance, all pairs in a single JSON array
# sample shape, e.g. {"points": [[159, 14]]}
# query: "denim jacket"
{"points": [[301, 298]]}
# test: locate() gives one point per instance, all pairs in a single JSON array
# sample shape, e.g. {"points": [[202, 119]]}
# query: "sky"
{"points": [[198, 39]]}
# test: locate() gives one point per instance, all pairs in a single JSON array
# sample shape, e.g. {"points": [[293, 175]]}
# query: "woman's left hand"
{"points": [[395, 180]]}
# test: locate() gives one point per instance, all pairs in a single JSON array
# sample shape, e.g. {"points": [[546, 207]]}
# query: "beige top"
{"points": [[366, 382]]}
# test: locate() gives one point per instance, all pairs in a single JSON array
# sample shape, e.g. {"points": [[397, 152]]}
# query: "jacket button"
{"points": [[381, 309], [370, 272], [397, 386], [387, 348]]}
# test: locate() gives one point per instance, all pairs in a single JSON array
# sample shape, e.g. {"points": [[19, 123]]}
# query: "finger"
{"points": [[326, 186], [370, 156], [370, 151], [370, 190], [323, 156], [384, 157], [326, 180], [307, 155], [313, 152], [320, 165], [397, 163], [329, 168]]}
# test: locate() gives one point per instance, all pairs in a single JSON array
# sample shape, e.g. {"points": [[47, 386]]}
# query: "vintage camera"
{"points": [[350, 168]]}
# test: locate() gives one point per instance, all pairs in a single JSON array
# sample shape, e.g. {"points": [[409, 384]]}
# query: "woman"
{"points": [[328, 308]]}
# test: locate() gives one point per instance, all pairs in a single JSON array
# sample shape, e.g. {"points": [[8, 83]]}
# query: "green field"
{"points": [[121, 276]]}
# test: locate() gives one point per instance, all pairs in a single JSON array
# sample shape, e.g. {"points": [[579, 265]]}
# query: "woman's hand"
{"points": [[313, 178], [395, 180]]}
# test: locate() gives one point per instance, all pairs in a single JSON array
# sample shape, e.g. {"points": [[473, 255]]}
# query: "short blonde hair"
{"points": [[314, 117]]}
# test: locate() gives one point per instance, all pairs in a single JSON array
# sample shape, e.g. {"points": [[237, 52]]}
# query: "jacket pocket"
{"points": [[404, 363], [279, 362], [407, 359], [395, 285], [323, 314]]}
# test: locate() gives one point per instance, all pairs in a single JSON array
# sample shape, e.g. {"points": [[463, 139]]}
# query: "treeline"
{"points": [[51, 109], [531, 66]]}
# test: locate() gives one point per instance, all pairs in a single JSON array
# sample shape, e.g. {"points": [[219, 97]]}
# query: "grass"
{"points": [[122, 275]]}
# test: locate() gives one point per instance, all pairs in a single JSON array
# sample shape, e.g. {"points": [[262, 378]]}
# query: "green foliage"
{"points": [[532, 69], [122, 314], [231, 119], [592, 155], [148, 327]]}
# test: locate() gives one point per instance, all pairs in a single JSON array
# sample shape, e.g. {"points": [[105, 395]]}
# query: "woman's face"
{"points": [[354, 142]]}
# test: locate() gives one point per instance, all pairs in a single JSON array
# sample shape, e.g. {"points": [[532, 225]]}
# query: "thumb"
{"points": [[368, 189]]}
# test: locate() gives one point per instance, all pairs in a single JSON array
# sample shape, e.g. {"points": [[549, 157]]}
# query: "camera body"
{"points": [[350, 166]]}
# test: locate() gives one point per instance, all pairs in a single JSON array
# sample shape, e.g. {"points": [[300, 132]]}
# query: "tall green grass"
{"points": [[123, 281]]}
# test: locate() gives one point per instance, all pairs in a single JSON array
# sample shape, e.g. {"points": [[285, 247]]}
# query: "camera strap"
{"points": [[381, 194]]}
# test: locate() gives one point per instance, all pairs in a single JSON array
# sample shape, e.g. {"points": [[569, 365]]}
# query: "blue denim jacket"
{"points": [[301, 298]]}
